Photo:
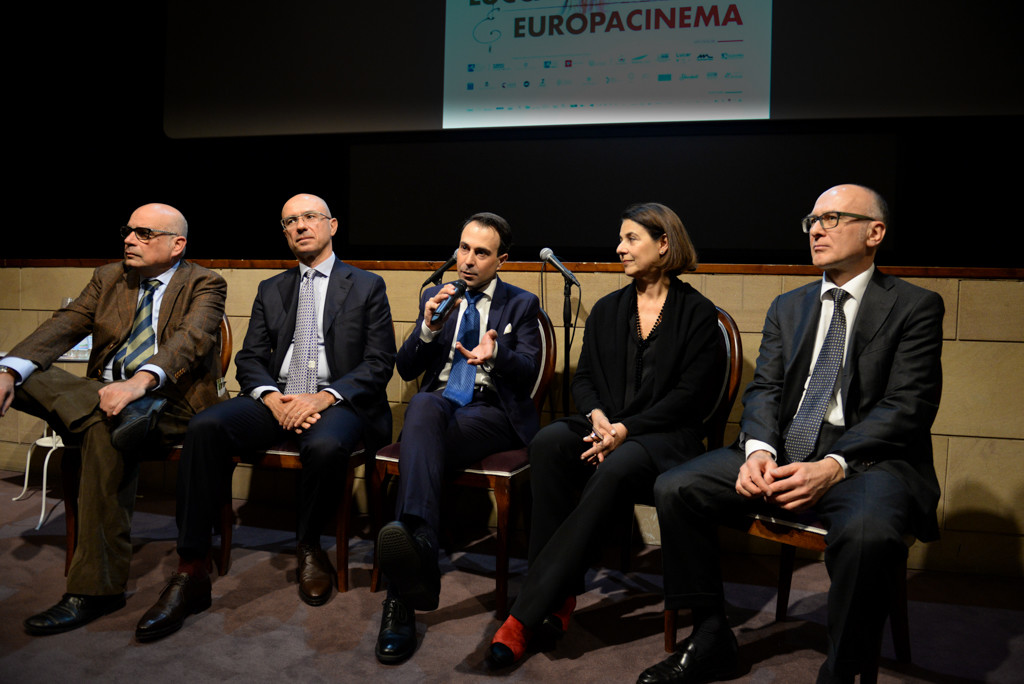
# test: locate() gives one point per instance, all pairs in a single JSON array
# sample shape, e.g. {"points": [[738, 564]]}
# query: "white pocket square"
{"points": [[508, 329]]}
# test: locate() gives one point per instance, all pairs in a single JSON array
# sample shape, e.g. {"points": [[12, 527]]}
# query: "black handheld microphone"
{"points": [[447, 306], [547, 255], [435, 277]]}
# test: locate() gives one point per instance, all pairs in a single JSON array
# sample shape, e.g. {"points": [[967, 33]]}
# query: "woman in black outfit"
{"points": [[648, 375]]}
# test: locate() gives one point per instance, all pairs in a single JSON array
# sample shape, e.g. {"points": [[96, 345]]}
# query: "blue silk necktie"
{"points": [[462, 377]]}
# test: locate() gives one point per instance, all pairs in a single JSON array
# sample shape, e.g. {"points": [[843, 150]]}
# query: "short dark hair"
{"points": [[660, 220], [500, 226]]}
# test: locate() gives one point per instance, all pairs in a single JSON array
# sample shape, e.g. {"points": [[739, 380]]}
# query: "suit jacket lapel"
{"points": [[288, 291], [337, 291], [128, 301], [496, 314], [171, 294], [871, 315], [799, 365]]}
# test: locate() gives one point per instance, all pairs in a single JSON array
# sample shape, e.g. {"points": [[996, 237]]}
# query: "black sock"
{"points": [[709, 624]]}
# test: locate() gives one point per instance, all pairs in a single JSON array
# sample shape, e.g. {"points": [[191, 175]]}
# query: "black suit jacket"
{"points": [[669, 422], [891, 383], [359, 340], [513, 315]]}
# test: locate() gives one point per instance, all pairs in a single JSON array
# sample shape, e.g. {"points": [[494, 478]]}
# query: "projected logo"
{"points": [[620, 54]]}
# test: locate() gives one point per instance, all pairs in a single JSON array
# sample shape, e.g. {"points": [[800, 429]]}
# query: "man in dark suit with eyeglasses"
{"points": [[836, 421]]}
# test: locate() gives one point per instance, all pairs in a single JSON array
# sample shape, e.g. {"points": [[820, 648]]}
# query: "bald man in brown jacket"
{"points": [[165, 311]]}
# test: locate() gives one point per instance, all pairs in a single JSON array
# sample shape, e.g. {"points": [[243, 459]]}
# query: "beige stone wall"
{"points": [[978, 435]]}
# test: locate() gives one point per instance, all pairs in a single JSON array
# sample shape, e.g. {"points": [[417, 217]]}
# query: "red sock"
{"points": [[514, 636], [565, 611]]}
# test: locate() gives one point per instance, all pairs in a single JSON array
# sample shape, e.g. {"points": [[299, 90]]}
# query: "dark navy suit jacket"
{"points": [[359, 340], [513, 315], [891, 383]]}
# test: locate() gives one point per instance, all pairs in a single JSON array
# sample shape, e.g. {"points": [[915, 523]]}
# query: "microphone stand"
{"points": [[566, 320]]}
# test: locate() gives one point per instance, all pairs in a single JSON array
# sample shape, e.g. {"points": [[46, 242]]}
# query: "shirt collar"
{"points": [[166, 276], [855, 287], [324, 268], [488, 291]]}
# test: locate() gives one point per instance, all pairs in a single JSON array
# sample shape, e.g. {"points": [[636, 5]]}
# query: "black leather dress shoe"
{"points": [[410, 564], [827, 676], [184, 595], [314, 575], [72, 612], [138, 419], [690, 665], [397, 637]]}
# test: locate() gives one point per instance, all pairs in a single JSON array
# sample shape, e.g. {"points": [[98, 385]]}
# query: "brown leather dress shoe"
{"points": [[315, 573], [184, 595], [72, 612]]}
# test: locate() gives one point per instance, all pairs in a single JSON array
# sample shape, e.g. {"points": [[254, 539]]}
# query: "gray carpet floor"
{"points": [[963, 628]]}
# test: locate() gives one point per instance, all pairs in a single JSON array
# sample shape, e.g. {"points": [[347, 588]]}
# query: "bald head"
{"points": [[305, 200], [165, 215], [156, 254], [847, 249], [866, 198], [308, 228]]}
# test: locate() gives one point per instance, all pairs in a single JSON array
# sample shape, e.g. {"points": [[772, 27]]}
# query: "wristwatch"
{"points": [[13, 373]]}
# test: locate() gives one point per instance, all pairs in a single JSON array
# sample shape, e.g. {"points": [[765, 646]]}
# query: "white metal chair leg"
{"points": [[50, 441], [28, 463]]}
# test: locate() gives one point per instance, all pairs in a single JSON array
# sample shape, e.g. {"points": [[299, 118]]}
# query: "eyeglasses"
{"points": [[144, 234], [310, 217], [830, 219]]}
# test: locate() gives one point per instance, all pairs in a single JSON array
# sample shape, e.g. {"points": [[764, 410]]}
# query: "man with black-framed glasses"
{"points": [[155, 322], [836, 421]]}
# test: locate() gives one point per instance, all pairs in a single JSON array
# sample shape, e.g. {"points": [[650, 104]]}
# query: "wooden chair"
{"points": [[282, 456], [285, 456], [804, 531], [502, 472]]}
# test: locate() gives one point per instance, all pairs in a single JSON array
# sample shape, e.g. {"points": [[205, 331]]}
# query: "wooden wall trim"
{"points": [[574, 266]]}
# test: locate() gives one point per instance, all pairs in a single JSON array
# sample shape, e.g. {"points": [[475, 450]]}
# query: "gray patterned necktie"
{"points": [[803, 431], [302, 369]]}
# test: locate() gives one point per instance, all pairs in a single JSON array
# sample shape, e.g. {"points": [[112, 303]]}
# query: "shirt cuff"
{"points": [[841, 461], [23, 367], [161, 377], [752, 445], [428, 335], [258, 393]]}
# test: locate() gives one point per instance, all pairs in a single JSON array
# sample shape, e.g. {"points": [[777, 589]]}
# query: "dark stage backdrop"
{"points": [[87, 145]]}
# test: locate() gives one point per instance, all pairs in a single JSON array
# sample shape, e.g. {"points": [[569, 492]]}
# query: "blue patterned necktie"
{"points": [[302, 369], [141, 344], [803, 431], [462, 377]]}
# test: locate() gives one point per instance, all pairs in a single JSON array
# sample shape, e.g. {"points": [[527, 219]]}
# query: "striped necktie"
{"points": [[803, 431], [141, 343]]}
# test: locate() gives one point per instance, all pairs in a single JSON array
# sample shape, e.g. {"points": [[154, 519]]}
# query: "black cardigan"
{"points": [[689, 370]]}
